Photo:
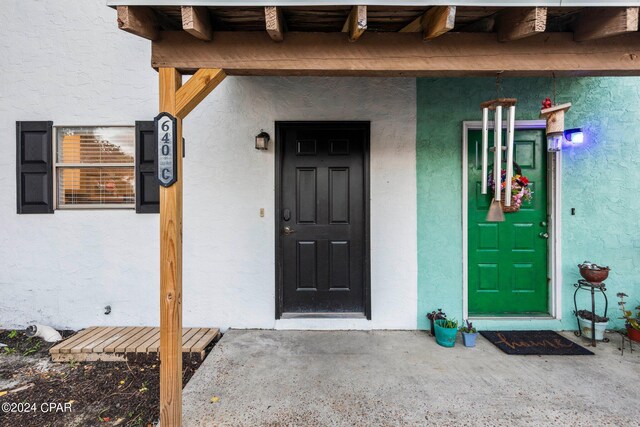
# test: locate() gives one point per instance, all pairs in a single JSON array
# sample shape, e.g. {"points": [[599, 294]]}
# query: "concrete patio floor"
{"points": [[389, 378]]}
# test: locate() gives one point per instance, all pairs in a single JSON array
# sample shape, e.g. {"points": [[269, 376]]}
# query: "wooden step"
{"points": [[115, 342]]}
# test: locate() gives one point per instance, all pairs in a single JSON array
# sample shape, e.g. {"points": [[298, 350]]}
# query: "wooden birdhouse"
{"points": [[555, 125]]}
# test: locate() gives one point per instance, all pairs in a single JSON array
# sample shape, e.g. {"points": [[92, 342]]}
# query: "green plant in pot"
{"points": [[632, 323], [446, 330], [469, 334], [433, 316]]}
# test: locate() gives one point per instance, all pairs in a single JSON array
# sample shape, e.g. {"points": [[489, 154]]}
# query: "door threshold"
{"points": [[323, 316]]}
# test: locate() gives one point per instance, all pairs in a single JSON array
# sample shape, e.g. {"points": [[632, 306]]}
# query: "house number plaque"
{"points": [[166, 137]]}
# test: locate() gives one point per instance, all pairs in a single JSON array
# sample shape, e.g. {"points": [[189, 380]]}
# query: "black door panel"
{"points": [[322, 223]]}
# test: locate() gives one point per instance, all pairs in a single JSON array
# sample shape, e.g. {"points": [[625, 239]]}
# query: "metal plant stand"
{"points": [[588, 286], [625, 338]]}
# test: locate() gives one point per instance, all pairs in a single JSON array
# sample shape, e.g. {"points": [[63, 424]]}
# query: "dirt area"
{"points": [[37, 392]]}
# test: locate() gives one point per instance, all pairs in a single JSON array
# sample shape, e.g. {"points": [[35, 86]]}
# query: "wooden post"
{"points": [[171, 269], [177, 101]]}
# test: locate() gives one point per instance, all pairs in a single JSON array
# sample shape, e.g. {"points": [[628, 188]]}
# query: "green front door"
{"points": [[508, 260]]}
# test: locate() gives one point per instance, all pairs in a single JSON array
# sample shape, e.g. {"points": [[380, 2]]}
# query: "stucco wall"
{"points": [[62, 269], [598, 180]]}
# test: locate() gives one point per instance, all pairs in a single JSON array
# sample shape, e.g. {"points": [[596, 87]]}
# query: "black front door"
{"points": [[323, 217]]}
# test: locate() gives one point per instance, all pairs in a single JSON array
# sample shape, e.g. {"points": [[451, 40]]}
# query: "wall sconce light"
{"points": [[262, 140], [555, 125], [574, 136]]}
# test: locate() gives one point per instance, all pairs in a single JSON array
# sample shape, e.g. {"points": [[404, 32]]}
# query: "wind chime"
{"points": [[495, 213]]}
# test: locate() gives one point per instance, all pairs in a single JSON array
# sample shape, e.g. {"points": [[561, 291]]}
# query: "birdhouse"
{"points": [[555, 125]]}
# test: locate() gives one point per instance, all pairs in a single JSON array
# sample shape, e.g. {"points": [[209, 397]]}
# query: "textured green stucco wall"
{"points": [[600, 180]]}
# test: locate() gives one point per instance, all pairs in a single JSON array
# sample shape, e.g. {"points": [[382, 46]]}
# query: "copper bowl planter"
{"points": [[593, 273]]}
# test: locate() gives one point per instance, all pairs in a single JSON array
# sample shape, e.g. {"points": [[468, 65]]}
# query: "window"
{"points": [[94, 167]]}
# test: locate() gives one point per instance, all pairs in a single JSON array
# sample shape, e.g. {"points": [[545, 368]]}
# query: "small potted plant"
{"points": [[433, 316], [446, 331], [469, 334], [632, 323], [585, 321]]}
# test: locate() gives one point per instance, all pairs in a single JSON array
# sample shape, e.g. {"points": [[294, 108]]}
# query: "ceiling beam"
{"points": [[520, 22], [433, 23], [399, 54], [356, 22], [197, 22], [138, 20], [601, 22], [274, 22]]}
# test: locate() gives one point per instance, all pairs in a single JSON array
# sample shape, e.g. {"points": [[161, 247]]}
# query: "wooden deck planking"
{"points": [[130, 346], [114, 342], [56, 348], [194, 339], [144, 347], [88, 346], [90, 338], [99, 348], [152, 332], [111, 348], [201, 345], [120, 348]]}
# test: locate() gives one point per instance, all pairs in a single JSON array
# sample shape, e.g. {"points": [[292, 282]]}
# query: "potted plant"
{"points": [[520, 190], [433, 316], [446, 331], [469, 334], [585, 321], [632, 323]]}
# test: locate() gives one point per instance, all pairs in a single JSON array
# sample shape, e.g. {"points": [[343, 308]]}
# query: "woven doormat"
{"points": [[534, 343]]}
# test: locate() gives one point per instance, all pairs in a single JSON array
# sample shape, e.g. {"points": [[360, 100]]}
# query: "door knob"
{"points": [[544, 235], [288, 230]]}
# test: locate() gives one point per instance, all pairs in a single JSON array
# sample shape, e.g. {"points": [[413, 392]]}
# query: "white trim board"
{"points": [[554, 186]]}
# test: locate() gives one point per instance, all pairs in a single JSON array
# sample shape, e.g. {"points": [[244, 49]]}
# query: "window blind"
{"points": [[95, 167]]}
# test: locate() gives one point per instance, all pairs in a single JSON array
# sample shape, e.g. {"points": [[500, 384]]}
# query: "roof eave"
{"points": [[488, 3]]}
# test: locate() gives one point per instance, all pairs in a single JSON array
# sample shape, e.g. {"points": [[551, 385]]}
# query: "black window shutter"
{"points": [[147, 187], [34, 167]]}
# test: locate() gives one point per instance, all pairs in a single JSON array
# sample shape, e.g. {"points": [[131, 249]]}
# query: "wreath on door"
{"points": [[520, 190]]}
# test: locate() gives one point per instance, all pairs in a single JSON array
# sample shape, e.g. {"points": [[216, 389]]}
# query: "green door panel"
{"points": [[508, 260]]}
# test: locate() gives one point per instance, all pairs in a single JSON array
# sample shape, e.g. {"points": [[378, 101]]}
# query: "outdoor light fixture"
{"points": [[574, 136], [262, 140]]}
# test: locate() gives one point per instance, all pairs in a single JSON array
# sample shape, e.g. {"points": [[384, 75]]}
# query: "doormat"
{"points": [[534, 343]]}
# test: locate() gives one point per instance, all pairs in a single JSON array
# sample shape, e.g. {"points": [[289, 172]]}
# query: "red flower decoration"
{"points": [[546, 103], [524, 180]]}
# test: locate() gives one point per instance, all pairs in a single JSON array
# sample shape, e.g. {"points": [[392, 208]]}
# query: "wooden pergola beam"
{"points": [[274, 22], [399, 54], [197, 22], [356, 23], [138, 20], [601, 22], [196, 89], [433, 23], [520, 22]]}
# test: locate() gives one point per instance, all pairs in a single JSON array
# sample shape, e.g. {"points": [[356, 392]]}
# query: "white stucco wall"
{"points": [[62, 269]]}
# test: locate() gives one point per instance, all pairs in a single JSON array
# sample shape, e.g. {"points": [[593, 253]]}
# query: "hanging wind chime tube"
{"points": [[497, 153], [496, 213], [511, 119], [485, 148]]}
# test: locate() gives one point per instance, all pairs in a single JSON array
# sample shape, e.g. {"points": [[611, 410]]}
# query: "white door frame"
{"points": [[554, 203]]}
